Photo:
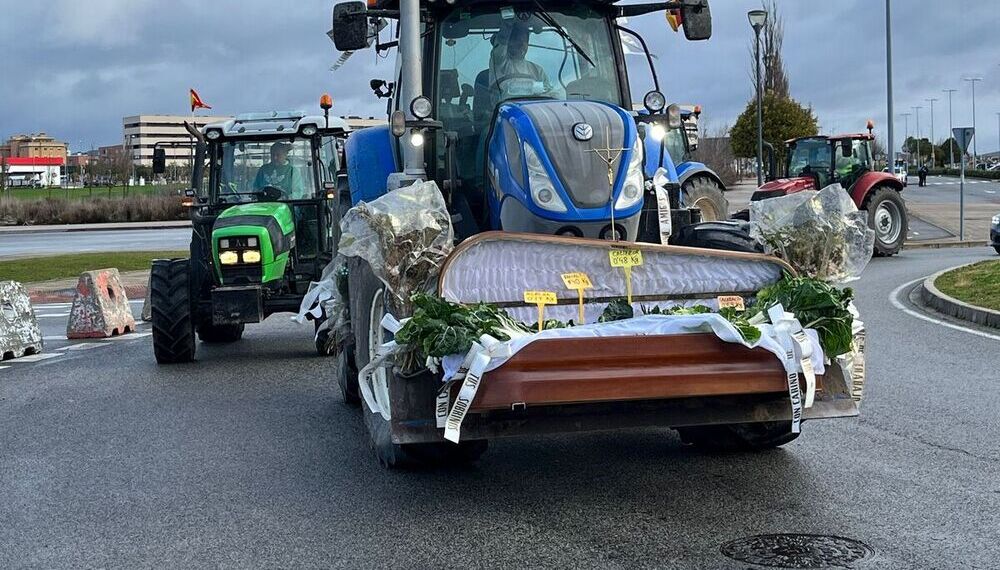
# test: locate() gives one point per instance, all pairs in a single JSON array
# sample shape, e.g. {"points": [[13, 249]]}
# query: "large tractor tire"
{"points": [[323, 340], [704, 193], [347, 377], [887, 216], [728, 236], [368, 304], [738, 437], [170, 304], [218, 334]]}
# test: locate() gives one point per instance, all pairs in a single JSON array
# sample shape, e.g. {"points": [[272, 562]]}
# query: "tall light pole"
{"points": [[931, 101], [757, 20], [951, 140], [998, 136], [906, 131], [916, 111], [973, 81], [891, 161]]}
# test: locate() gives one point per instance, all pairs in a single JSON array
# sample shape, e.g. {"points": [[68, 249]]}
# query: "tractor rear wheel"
{"points": [[728, 236], [738, 437], [347, 377], [368, 305], [887, 216], [217, 334], [706, 194], [170, 304]]}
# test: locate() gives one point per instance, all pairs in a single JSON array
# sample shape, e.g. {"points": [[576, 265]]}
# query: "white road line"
{"points": [[52, 315], [53, 338], [894, 299], [2, 367], [82, 346], [129, 336], [37, 357]]}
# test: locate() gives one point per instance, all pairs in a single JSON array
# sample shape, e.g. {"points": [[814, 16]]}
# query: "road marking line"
{"points": [[2, 367], [129, 336], [37, 357], [53, 305], [894, 299], [53, 338], [53, 315], [82, 346]]}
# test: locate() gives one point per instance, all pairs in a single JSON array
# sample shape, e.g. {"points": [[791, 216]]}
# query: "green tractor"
{"points": [[264, 208]]}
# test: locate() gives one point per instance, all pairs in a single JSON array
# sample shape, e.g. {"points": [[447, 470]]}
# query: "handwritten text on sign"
{"points": [[625, 257]]}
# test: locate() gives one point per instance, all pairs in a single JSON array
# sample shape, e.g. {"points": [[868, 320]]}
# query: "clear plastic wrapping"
{"points": [[821, 234], [404, 235]]}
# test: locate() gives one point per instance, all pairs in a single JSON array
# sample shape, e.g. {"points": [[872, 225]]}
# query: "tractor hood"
{"points": [[575, 141], [782, 187], [268, 228]]}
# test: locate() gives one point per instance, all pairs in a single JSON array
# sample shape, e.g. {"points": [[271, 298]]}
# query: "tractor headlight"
{"points": [[543, 194], [251, 256], [309, 130], [421, 107], [657, 132], [996, 220], [632, 189], [229, 258]]}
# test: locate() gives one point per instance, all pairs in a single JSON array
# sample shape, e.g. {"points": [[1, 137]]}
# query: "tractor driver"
{"points": [[279, 173], [511, 72]]}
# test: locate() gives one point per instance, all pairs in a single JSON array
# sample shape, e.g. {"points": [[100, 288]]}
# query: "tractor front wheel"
{"points": [[705, 194], [887, 216], [170, 304]]}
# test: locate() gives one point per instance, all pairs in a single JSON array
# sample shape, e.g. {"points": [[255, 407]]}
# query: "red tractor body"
{"points": [[815, 162]]}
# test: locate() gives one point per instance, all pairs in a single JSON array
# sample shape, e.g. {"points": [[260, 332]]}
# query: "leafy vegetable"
{"points": [[678, 310], [617, 310], [816, 305], [439, 328], [738, 319]]}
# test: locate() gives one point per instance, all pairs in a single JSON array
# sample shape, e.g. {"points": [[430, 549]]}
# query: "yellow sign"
{"points": [[540, 299], [625, 257], [578, 281], [734, 301]]}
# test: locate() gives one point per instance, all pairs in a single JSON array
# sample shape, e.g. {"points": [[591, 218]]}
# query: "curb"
{"points": [[943, 244], [951, 306], [66, 295], [124, 226]]}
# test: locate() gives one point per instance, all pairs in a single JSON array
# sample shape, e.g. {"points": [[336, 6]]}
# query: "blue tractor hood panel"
{"points": [[569, 138]]}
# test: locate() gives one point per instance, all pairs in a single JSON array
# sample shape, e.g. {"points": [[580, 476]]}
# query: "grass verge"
{"points": [[977, 284], [110, 192], [32, 269]]}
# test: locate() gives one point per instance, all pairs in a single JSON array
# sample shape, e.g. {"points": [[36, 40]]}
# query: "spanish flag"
{"points": [[196, 102], [675, 19]]}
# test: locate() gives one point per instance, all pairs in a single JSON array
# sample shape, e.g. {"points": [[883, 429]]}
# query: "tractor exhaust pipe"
{"points": [[411, 80]]}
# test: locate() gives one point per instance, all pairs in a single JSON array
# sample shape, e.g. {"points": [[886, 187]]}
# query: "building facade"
{"points": [[141, 133], [37, 145]]}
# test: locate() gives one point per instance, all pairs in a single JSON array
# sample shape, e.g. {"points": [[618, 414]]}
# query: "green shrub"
{"points": [[91, 211]]}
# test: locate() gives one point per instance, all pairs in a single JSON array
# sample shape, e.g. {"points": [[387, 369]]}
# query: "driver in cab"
{"points": [[279, 173], [511, 72]]}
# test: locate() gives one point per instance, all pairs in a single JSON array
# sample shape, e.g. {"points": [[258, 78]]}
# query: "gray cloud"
{"points": [[74, 67]]}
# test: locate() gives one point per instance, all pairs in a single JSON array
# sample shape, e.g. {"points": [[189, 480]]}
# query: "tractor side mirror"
{"points": [[846, 149], [697, 18], [159, 161], [350, 26]]}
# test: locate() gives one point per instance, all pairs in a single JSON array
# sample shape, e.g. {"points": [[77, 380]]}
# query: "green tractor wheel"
{"points": [[170, 303]]}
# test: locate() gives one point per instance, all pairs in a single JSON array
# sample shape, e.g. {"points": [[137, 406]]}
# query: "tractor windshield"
{"points": [[811, 157], [272, 170], [491, 53]]}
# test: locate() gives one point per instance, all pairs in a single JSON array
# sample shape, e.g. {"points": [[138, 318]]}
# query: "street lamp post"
{"points": [[951, 141], [888, 82], [757, 20], [916, 111], [906, 131], [931, 101], [973, 80]]}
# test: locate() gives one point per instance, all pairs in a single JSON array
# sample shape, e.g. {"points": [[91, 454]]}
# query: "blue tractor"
{"points": [[701, 187], [521, 112]]}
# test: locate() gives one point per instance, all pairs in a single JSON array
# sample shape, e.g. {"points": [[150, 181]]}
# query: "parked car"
{"points": [[995, 233]]}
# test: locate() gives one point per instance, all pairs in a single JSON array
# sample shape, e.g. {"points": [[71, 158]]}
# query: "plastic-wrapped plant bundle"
{"points": [[821, 234], [404, 235]]}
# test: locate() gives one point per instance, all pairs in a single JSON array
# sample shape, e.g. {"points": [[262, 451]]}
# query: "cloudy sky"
{"points": [[74, 68]]}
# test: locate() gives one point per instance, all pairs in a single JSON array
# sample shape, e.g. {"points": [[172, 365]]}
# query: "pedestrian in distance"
{"points": [[922, 175]]}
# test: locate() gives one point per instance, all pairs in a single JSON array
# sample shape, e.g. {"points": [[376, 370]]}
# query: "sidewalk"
{"points": [[97, 227], [63, 290]]}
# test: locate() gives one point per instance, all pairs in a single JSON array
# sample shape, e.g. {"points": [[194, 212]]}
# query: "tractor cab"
{"points": [[521, 112]]}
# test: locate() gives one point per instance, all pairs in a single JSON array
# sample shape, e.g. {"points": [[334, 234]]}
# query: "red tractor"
{"points": [[815, 162]]}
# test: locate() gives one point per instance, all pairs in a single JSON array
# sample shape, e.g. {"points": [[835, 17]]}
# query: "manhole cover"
{"points": [[797, 550]]}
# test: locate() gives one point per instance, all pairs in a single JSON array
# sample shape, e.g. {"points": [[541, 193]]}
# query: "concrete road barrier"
{"points": [[100, 306], [19, 332], [147, 305]]}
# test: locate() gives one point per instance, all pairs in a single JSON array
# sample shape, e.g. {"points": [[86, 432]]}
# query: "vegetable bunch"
{"points": [[817, 305]]}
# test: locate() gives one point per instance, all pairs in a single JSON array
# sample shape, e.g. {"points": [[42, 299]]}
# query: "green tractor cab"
{"points": [[265, 201]]}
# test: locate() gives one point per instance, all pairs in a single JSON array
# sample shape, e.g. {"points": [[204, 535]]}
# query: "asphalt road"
{"points": [[945, 190], [51, 243], [249, 458]]}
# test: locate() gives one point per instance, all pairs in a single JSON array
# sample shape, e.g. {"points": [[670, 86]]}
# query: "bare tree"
{"points": [[772, 38]]}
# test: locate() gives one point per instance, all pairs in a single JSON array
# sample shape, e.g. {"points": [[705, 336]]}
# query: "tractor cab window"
{"points": [[265, 170], [811, 157], [676, 144], [849, 168], [489, 54]]}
